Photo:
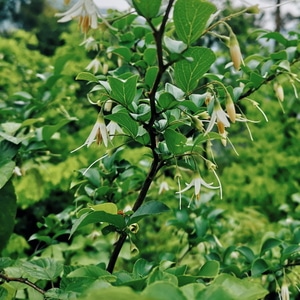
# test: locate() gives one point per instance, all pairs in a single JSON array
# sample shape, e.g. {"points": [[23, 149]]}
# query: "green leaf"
{"points": [[6, 170], [167, 100], [175, 141], [159, 275], [8, 204], [192, 290], [150, 76], [277, 37], [61, 62], [109, 208], [43, 268], [146, 8], [5, 262], [150, 56], [3, 293], [247, 253], [125, 121], [49, 130], [87, 77], [59, 294], [190, 18], [269, 244], [120, 293], [123, 91], [227, 287], [258, 267], [124, 52], [159, 290], [289, 252], [189, 71], [96, 217], [92, 272], [141, 268], [147, 209], [210, 269]]}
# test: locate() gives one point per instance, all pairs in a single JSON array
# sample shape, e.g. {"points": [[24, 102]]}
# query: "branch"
{"points": [[22, 280]]}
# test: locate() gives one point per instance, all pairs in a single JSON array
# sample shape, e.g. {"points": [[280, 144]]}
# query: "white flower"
{"points": [[218, 116], [94, 65], [196, 183], [284, 293], [163, 187], [86, 11], [112, 128], [99, 132], [90, 44]]}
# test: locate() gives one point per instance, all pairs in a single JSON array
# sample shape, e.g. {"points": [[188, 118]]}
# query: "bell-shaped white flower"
{"points": [[196, 183], [219, 116], [86, 11], [113, 128]]}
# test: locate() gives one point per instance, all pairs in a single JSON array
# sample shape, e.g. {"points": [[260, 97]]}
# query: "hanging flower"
{"points": [[284, 293], [86, 11], [94, 65], [99, 134], [90, 44], [163, 187], [196, 183], [219, 116], [112, 128]]}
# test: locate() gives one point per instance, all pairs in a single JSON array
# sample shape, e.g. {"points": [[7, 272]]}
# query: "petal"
{"points": [[188, 186], [104, 134], [211, 122], [221, 116], [92, 135]]}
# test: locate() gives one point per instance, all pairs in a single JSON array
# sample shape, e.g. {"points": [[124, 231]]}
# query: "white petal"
{"points": [[188, 186], [92, 135], [221, 116], [211, 122]]}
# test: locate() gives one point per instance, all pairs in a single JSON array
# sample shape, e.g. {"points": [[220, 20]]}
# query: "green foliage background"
{"points": [[260, 185]]}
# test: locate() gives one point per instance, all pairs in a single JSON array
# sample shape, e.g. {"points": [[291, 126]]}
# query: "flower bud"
{"points": [[278, 91], [134, 228], [198, 123], [230, 108], [235, 51], [254, 9], [134, 249]]}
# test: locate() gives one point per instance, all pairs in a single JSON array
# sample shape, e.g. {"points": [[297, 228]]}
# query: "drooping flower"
{"points": [[94, 65], [86, 11], [163, 187], [196, 183], [284, 293], [90, 44], [219, 116], [99, 134], [112, 128]]}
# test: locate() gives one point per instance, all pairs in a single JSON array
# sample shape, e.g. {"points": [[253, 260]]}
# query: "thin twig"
{"points": [[22, 280]]}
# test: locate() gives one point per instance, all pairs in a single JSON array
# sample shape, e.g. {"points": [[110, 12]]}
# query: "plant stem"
{"points": [[22, 280]]}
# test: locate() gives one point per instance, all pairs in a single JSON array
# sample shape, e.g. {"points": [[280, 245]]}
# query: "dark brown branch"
{"points": [[22, 280]]}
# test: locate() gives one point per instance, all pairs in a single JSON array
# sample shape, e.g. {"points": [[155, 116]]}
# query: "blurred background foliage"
{"points": [[39, 61]]}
